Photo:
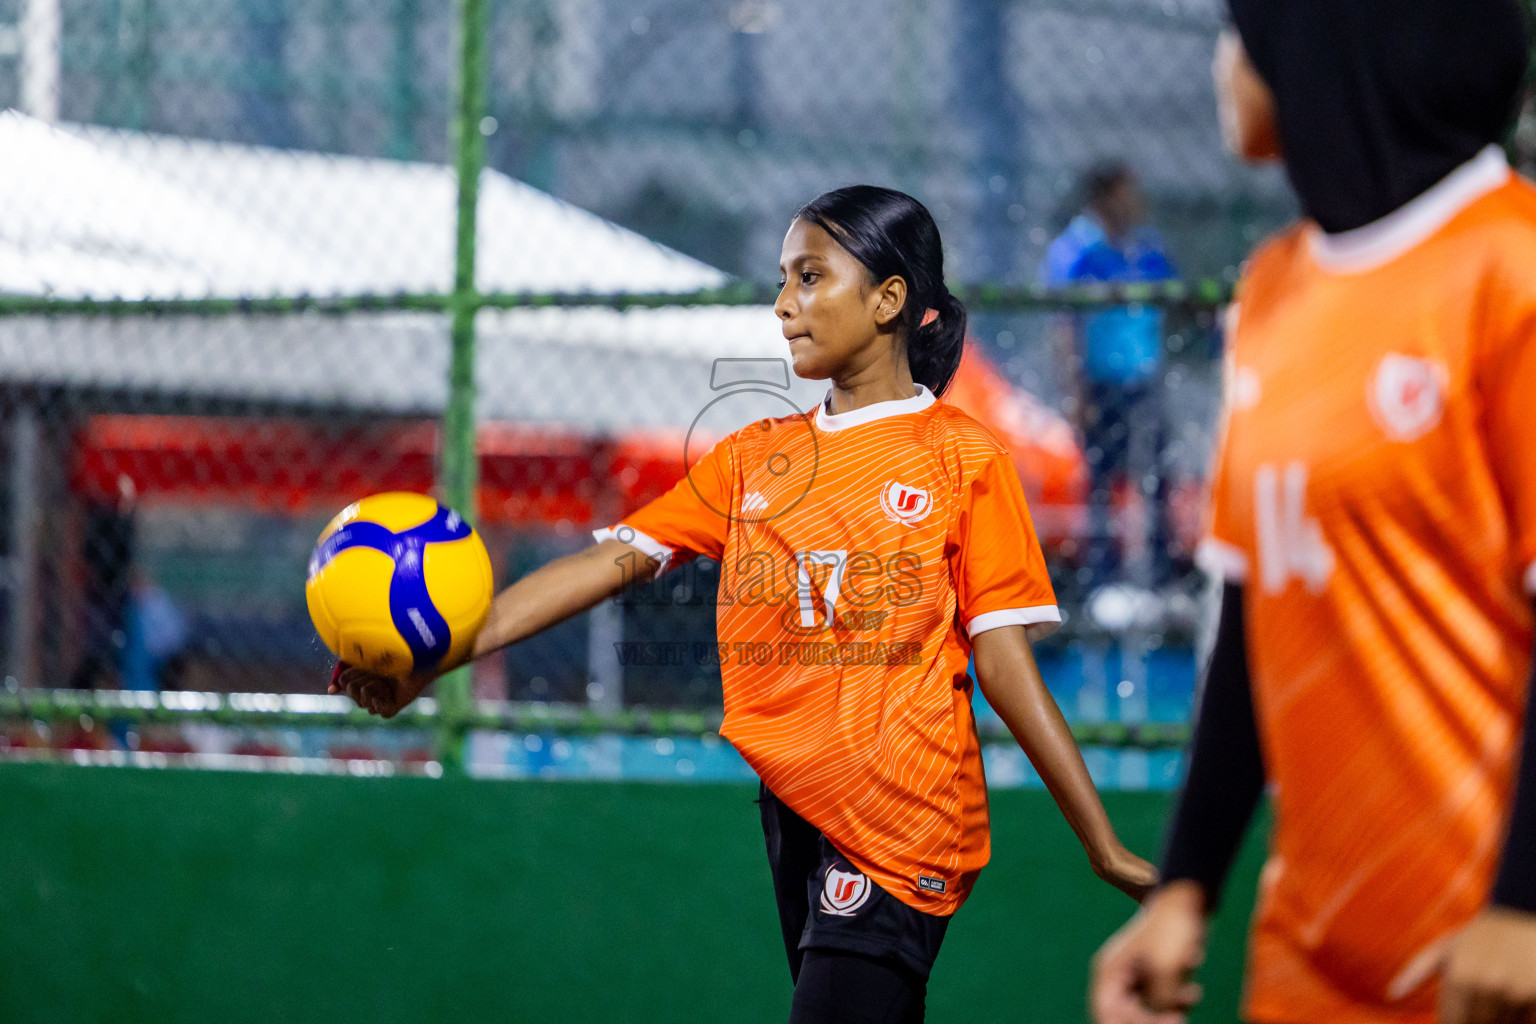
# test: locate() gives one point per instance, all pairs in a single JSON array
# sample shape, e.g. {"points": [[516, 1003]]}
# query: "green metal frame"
{"points": [[464, 302], [301, 710], [455, 712], [458, 469]]}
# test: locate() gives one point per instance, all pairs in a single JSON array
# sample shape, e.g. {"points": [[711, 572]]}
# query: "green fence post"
{"points": [[459, 467]]}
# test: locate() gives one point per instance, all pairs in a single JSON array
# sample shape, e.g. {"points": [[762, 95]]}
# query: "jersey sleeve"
{"points": [[1221, 552], [691, 518], [1507, 380], [999, 571]]}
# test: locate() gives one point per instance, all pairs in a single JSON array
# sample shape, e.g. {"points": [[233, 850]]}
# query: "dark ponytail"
{"points": [[894, 235]]}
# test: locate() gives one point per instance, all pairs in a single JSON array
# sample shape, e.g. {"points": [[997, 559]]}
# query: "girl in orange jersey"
{"points": [[1374, 516], [867, 550]]}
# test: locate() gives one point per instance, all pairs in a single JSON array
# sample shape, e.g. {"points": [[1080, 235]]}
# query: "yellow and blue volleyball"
{"points": [[398, 584]]}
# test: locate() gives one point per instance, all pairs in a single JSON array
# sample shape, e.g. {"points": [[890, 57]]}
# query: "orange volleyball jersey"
{"points": [[1376, 491], [858, 554]]}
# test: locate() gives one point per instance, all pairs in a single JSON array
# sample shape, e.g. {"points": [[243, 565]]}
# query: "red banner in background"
{"points": [[528, 475], [298, 466]]}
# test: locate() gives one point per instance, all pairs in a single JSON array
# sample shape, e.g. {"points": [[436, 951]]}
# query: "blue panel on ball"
{"points": [[353, 535], [424, 630], [446, 525]]}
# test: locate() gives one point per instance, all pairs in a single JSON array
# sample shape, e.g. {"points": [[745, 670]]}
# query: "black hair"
{"points": [[1103, 179], [894, 235]]}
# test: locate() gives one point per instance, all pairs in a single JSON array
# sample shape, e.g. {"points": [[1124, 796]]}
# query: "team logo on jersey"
{"points": [[1407, 395], [903, 504], [844, 892]]}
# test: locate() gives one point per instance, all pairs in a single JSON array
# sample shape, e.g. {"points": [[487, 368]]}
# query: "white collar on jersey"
{"points": [[1383, 240], [869, 413]]}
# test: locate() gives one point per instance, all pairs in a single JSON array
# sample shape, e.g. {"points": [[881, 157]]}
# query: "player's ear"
{"points": [[889, 299]]}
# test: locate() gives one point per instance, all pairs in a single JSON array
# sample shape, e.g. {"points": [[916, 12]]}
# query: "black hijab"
{"points": [[1377, 100]]}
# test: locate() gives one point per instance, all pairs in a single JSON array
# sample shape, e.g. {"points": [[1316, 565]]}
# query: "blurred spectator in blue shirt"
{"points": [[156, 637], [1118, 353], [1109, 242]]}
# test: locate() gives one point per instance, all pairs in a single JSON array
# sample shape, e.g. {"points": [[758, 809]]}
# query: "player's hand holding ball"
{"points": [[1142, 975], [379, 695], [398, 588]]}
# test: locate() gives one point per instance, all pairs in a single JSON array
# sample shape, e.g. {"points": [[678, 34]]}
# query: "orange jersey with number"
{"points": [[1376, 491], [859, 553]]}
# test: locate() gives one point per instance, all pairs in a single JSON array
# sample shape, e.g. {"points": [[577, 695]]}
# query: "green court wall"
{"points": [[214, 898]]}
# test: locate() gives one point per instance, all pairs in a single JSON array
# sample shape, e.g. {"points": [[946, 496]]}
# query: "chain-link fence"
{"points": [[241, 285]]}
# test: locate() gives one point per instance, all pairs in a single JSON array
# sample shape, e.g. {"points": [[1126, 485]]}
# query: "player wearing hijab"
{"points": [[1374, 515], [867, 550]]}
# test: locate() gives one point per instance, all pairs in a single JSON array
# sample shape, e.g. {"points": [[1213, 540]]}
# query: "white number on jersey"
{"points": [[1290, 544], [836, 560]]}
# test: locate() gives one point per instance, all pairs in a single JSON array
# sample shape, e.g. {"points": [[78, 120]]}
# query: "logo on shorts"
{"points": [[932, 884], [844, 892], [903, 504], [1407, 395]]}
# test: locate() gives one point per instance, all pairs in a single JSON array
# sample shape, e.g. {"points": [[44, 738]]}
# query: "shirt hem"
{"points": [[932, 904], [1039, 621]]}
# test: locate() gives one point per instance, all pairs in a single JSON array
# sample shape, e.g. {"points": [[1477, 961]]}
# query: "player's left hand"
{"points": [[1490, 977], [1125, 871], [378, 695]]}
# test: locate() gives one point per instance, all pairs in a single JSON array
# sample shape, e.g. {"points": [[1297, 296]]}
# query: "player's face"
{"points": [[1244, 102], [835, 320]]}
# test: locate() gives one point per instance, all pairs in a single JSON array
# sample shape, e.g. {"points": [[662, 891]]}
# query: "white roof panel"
{"points": [[100, 213]]}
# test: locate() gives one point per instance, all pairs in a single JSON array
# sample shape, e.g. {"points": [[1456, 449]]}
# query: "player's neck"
{"points": [[888, 378], [847, 398]]}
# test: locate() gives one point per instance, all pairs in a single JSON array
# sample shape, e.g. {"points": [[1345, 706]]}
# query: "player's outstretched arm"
{"points": [[1010, 680], [545, 597], [565, 587]]}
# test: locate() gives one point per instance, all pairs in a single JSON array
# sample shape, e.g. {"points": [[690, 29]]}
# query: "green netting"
{"points": [[261, 257]]}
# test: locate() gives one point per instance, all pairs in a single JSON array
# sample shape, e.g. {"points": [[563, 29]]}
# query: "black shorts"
{"points": [[826, 903]]}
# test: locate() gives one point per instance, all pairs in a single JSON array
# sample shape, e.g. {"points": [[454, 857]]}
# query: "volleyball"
{"points": [[398, 584]]}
